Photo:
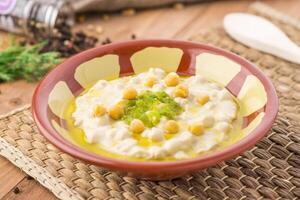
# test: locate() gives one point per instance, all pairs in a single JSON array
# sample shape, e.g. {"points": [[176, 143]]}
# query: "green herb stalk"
{"points": [[26, 62]]}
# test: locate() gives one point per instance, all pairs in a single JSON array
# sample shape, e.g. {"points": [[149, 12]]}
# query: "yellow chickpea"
{"points": [[150, 81], [203, 99], [196, 128], [171, 126], [99, 111], [172, 79], [116, 112], [137, 126], [181, 91], [129, 93]]}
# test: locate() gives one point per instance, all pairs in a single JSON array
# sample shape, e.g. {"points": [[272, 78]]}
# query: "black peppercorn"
{"points": [[16, 190]]}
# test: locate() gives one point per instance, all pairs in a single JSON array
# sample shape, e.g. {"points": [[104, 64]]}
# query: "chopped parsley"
{"points": [[150, 107]]}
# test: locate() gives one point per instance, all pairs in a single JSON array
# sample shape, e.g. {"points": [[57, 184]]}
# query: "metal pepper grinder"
{"points": [[28, 17]]}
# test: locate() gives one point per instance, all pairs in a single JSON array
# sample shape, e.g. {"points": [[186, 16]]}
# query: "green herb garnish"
{"points": [[26, 62], [150, 107]]}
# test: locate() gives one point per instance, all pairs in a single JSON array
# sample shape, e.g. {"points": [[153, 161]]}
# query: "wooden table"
{"points": [[158, 23]]}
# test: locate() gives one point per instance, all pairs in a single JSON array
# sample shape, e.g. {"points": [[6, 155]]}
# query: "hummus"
{"points": [[156, 115]]}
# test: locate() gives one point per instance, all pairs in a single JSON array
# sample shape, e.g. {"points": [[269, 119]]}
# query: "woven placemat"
{"points": [[270, 170]]}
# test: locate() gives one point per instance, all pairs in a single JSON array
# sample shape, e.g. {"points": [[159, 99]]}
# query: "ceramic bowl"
{"points": [[257, 96]]}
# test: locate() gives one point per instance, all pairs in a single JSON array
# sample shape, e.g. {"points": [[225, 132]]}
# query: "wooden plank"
{"points": [[290, 7], [211, 17], [117, 27], [4, 40], [10, 176], [173, 21], [15, 94], [158, 23], [29, 189]]}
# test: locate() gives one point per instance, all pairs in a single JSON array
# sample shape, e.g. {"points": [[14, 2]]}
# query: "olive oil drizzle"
{"points": [[78, 137]]}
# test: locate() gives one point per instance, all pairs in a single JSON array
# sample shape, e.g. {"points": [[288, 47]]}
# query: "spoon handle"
{"points": [[259, 33]]}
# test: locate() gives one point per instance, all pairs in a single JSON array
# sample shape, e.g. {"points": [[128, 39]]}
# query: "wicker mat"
{"points": [[270, 170]]}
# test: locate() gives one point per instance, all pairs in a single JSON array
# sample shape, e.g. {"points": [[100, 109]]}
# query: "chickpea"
{"points": [[172, 79], [171, 126], [99, 111], [203, 99], [137, 126], [181, 91], [129, 93], [116, 112], [196, 128], [150, 81]]}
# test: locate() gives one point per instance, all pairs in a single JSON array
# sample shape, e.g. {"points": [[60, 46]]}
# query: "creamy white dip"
{"points": [[115, 136]]}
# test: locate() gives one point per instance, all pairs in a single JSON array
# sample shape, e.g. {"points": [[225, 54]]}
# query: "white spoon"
{"points": [[259, 33]]}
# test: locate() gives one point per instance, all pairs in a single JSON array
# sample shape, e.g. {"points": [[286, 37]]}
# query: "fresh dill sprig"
{"points": [[26, 62]]}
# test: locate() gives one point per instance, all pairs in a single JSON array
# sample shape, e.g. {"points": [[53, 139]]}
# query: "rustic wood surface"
{"points": [[158, 23]]}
